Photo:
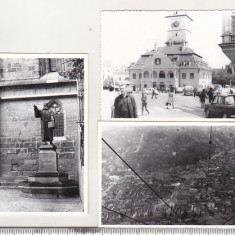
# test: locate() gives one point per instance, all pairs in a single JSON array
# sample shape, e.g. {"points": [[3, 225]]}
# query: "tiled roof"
{"points": [[165, 61], [176, 50], [167, 54], [139, 63]]}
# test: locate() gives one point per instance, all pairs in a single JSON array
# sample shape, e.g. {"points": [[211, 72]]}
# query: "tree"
{"points": [[223, 78]]}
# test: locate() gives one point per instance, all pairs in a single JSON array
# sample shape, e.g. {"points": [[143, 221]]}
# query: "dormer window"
{"points": [[185, 63], [174, 59], [157, 61]]}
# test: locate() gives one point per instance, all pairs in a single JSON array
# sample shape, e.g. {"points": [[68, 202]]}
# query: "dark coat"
{"points": [[210, 94], [203, 97], [46, 116], [131, 106]]}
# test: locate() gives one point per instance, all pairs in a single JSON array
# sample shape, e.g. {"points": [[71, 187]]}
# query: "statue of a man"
{"points": [[47, 122]]}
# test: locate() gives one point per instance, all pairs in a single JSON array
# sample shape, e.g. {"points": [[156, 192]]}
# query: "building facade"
{"points": [[23, 83], [173, 65], [228, 38], [121, 75]]}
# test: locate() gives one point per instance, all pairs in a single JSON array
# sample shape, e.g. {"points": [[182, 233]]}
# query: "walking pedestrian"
{"points": [[203, 98], [194, 91], [153, 93], [170, 99], [144, 100], [210, 95]]}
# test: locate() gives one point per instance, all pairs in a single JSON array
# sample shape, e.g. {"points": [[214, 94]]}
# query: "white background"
{"points": [[72, 26]]}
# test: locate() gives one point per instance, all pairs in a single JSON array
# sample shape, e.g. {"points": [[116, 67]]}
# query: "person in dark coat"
{"points": [[47, 122], [194, 91], [125, 105], [203, 98], [210, 95]]}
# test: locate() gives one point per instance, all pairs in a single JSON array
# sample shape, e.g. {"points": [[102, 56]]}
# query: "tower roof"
{"points": [[177, 49], [176, 15]]}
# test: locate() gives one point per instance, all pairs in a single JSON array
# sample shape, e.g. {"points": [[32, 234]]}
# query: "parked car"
{"points": [[179, 89], [223, 106], [222, 91], [188, 90]]}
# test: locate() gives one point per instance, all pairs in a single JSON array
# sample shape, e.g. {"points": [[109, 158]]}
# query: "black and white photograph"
{"points": [[167, 174], [42, 132], [167, 65]]}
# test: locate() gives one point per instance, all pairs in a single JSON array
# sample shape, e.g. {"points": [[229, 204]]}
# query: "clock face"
{"points": [[176, 23]]}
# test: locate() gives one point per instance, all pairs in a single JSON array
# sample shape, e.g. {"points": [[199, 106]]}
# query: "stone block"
{"points": [[34, 155], [66, 156], [69, 150], [29, 145], [27, 173], [24, 155], [11, 151], [30, 162], [67, 144], [47, 160], [32, 150]]}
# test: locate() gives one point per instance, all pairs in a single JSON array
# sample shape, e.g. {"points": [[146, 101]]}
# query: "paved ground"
{"points": [[13, 200], [186, 107]]}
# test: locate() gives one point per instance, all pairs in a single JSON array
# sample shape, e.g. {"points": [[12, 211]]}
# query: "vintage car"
{"points": [[179, 89], [222, 106], [188, 90]]}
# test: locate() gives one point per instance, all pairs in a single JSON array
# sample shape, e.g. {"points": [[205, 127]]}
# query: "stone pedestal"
{"points": [[47, 159], [48, 182]]}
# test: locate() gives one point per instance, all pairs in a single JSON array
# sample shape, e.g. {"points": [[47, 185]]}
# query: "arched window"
{"points": [[59, 118], [162, 74], [170, 74], [157, 61], [154, 74], [146, 74]]}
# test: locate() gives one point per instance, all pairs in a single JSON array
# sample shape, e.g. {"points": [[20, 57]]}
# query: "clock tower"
{"points": [[177, 28]]}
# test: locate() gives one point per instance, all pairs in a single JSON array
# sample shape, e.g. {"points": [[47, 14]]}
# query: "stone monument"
{"points": [[48, 182]]}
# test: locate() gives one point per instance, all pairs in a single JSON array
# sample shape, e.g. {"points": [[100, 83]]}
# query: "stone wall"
{"points": [[20, 131], [19, 68]]}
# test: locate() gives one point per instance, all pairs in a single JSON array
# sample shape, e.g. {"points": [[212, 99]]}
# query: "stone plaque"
{"points": [[47, 161]]}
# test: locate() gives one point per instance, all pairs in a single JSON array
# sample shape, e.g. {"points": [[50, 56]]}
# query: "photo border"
{"points": [[56, 219], [183, 124]]}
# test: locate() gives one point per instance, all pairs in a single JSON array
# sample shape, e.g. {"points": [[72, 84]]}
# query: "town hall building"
{"points": [[173, 65]]}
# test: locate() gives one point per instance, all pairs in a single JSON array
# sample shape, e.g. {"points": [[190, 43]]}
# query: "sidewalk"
{"points": [[13, 200]]}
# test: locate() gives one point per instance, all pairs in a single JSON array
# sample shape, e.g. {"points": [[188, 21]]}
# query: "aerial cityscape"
{"points": [[189, 169]]}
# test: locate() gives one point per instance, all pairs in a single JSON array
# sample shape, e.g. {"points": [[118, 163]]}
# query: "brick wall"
{"points": [[19, 68], [20, 131]]}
